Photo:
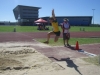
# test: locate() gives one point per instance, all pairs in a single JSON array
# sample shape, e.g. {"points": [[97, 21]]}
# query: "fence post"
{"points": [[80, 29], [83, 29]]}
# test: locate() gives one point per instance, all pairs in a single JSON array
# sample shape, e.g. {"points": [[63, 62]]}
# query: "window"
{"points": [[31, 9], [30, 13], [85, 20], [30, 16]]}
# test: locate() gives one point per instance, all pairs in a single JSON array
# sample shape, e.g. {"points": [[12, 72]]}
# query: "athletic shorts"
{"points": [[66, 36], [57, 33]]}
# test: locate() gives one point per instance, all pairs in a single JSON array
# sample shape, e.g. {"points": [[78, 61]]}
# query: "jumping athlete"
{"points": [[55, 26]]}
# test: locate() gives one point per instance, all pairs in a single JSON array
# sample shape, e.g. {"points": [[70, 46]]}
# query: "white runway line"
{"points": [[87, 53]]}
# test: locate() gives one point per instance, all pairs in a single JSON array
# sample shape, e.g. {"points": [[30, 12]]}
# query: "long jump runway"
{"points": [[16, 36], [57, 52]]}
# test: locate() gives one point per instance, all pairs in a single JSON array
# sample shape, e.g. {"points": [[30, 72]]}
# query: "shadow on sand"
{"points": [[70, 63]]}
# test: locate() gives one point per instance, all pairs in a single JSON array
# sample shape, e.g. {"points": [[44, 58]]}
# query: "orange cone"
{"points": [[77, 46]]}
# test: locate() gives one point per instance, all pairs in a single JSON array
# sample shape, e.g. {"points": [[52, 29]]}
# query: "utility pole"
{"points": [[93, 16]]}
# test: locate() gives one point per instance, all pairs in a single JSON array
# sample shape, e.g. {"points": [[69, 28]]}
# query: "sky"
{"points": [[61, 7]]}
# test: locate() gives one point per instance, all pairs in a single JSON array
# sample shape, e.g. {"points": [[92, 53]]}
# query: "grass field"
{"points": [[93, 60], [18, 28], [72, 41], [34, 29]]}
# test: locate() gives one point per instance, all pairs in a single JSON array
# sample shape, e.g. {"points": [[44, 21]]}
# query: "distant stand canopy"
{"points": [[41, 24], [40, 21]]}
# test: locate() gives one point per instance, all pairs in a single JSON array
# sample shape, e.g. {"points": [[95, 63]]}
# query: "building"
{"points": [[5, 22], [26, 15], [74, 20]]}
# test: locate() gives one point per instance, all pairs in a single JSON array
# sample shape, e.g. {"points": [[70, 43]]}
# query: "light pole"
{"points": [[93, 15]]}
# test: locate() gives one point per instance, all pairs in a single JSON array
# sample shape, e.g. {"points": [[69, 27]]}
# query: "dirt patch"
{"points": [[8, 63], [93, 60], [24, 58], [9, 57]]}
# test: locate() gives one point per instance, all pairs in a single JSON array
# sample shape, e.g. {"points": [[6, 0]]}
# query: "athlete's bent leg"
{"points": [[48, 36], [56, 38]]}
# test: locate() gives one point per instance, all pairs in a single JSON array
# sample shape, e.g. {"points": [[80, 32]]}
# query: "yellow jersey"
{"points": [[55, 26]]}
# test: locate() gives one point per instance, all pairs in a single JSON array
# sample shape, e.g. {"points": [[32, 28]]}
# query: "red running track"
{"points": [[16, 36]]}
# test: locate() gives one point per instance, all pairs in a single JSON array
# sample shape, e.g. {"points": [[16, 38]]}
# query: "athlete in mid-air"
{"points": [[55, 26]]}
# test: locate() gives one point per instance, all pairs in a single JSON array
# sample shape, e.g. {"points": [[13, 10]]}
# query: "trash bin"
{"points": [[14, 29]]}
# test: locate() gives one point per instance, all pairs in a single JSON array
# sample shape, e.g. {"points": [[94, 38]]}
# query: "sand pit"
{"points": [[20, 59]]}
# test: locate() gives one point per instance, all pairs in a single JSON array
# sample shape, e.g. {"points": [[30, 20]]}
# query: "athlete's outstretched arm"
{"points": [[53, 14]]}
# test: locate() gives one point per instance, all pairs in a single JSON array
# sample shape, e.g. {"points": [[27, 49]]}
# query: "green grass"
{"points": [[22, 29], [6, 28], [92, 60], [31, 29], [19, 29], [72, 41], [28, 29], [77, 28], [34, 29]]}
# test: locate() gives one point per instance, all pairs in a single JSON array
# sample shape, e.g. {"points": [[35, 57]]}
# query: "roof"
{"points": [[27, 6], [68, 16]]}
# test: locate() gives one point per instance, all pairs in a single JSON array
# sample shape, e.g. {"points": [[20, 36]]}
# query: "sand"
{"points": [[20, 58]]}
